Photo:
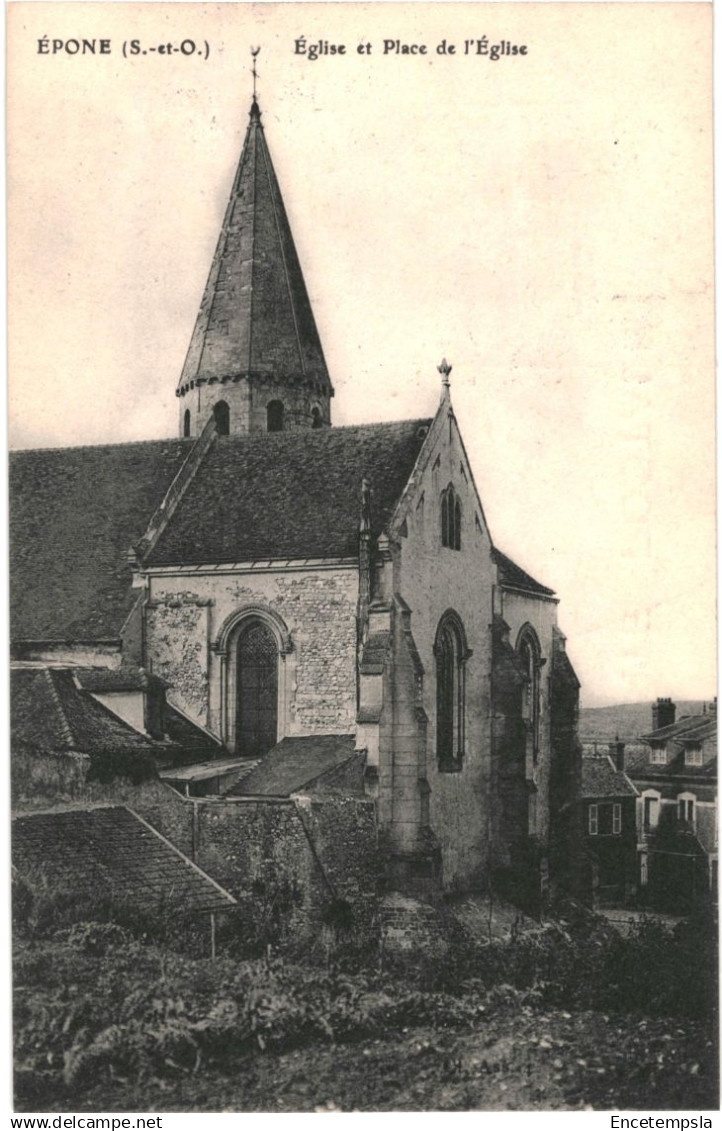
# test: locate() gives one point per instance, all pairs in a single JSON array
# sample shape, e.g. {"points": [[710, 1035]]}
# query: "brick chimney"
{"points": [[663, 713], [616, 753]]}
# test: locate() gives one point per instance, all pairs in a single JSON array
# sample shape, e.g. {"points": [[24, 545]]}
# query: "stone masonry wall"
{"points": [[177, 647], [317, 607], [432, 578], [286, 862]]}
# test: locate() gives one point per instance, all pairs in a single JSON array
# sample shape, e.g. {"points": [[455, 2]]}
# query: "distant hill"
{"points": [[628, 720]]}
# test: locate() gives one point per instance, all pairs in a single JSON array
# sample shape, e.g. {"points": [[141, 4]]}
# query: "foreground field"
{"points": [[554, 1018], [538, 1061]]}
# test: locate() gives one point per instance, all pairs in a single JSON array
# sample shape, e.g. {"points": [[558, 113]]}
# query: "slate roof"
{"points": [[112, 851], [294, 764], [74, 514], [255, 316], [695, 728], [517, 578], [290, 494], [601, 778], [640, 767]]}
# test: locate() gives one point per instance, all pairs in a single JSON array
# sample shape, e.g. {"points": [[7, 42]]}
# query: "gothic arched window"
{"points": [[450, 519], [274, 416], [222, 415], [316, 418], [187, 423], [451, 654], [529, 651]]}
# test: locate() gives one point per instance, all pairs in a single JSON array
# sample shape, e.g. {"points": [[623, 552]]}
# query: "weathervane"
{"points": [[254, 72]]}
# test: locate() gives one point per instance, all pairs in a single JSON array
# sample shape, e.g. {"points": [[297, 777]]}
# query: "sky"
{"points": [[543, 220]]}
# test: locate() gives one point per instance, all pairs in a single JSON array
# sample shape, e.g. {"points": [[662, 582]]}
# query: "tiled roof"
{"points": [[290, 494], [600, 778], [515, 577], [255, 317], [47, 710], [74, 514], [113, 852], [295, 763]]}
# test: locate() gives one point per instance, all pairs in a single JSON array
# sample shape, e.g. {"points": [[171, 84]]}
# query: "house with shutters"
{"points": [[361, 673], [674, 768], [609, 801]]}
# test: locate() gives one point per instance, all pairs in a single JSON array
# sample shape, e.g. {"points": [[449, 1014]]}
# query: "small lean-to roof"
{"points": [[514, 577], [289, 495], [294, 764], [601, 778], [112, 852], [74, 514]]}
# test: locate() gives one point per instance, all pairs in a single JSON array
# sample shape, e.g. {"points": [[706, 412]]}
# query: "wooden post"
{"points": [[213, 936]]}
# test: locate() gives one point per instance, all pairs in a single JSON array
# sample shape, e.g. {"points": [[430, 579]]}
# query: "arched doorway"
{"points": [[257, 689]]}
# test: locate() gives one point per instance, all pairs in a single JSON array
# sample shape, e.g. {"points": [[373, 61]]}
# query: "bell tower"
{"points": [[255, 359]]}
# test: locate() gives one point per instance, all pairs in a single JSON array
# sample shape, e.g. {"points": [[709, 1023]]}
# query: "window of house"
{"points": [[222, 414], [274, 416], [685, 808], [450, 519], [658, 756], [451, 653], [605, 819], [316, 418], [651, 813], [187, 422], [693, 756]]}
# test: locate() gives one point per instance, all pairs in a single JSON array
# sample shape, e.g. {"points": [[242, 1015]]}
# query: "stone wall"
{"points": [[289, 863], [431, 579], [317, 609]]}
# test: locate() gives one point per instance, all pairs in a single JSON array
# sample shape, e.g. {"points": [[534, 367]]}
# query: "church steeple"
{"points": [[255, 358]]}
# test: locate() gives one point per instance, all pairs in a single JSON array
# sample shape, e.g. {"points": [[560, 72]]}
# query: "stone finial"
{"points": [[445, 369]]}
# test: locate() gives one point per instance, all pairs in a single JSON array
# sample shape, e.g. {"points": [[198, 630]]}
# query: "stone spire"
{"points": [[255, 358]]}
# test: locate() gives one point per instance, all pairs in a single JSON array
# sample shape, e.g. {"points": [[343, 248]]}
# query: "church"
{"points": [[293, 650]]}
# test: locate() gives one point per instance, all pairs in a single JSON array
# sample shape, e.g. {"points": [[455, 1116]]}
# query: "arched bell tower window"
{"points": [[222, 415], [451, 653], [274, 416], [529, 651], [186, 423], [450, 519], [316, 418]]}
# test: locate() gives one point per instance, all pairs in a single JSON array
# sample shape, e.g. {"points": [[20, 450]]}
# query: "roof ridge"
{"points": [[94, 447], [64, 723], [287, 278]]}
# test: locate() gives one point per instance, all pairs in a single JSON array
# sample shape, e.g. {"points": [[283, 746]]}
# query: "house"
{"points": [[675, 773], [327, 606], [609, 801]]}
